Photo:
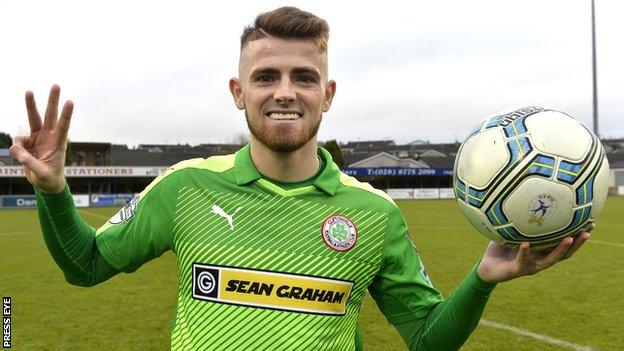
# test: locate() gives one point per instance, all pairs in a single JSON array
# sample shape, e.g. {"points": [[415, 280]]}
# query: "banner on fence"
{"points": [[18, 201], [115, 200], [421, 193], [426, 193], [81, 200], [447, 193], [397, 171], [401, 194]]}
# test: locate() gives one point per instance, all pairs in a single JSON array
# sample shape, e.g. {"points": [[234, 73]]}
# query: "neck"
{"points": [[285, 167]]}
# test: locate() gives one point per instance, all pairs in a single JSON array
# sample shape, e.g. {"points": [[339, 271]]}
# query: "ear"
{"points": [[237, 93], [330, 90]]}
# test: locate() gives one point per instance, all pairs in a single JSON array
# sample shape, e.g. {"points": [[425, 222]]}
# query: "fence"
{"points": [[421, 193], [81, 200]]}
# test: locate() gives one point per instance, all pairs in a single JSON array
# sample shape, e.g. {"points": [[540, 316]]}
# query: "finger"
{"points": [[64, 121], [33, 115], [52, 109], [20, 141], [578, 242], [591, 227], [523, 254], [26, 159], [557, 254]]}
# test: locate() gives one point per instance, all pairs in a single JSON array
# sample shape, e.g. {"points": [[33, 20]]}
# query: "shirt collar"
{"points": [[246, 171]]}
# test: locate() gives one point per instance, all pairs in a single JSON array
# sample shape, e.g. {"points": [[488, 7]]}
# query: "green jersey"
{"points": [[264, 266]]}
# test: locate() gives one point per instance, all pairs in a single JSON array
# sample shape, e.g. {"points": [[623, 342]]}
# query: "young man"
{"points": [[275, 246]]}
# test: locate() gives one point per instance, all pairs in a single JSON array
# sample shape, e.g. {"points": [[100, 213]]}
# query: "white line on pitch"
{"points": [[544, 338], [93, 214], [604, 243]]}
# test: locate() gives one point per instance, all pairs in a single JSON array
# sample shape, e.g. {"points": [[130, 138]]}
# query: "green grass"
{"points": [[579, 301]]}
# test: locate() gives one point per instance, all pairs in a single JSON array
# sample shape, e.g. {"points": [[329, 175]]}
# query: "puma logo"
{"points": [[230, 218]]}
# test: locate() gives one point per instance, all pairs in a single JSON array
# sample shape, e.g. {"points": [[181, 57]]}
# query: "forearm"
{"points": [[452, 321], [71, 241]]}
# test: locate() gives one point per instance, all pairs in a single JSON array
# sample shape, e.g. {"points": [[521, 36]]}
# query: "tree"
{"points": [[336, 153], [5, 141], [240, 139]]}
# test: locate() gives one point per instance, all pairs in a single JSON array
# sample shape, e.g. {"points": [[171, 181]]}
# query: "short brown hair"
{"points": [[288, 23]]}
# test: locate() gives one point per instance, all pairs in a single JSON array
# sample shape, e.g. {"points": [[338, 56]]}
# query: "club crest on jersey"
{"points": [[126, 213], [339, 233]]}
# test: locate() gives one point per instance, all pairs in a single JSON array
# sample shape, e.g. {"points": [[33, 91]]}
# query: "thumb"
{"points": [[523, 254], [25, 158]]}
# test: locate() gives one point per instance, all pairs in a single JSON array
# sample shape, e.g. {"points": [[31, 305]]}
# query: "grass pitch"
{"points": [[578, 303]]}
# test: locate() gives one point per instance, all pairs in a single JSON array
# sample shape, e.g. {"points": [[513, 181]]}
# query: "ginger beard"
{"points": [[283, 136], [279, 78]]}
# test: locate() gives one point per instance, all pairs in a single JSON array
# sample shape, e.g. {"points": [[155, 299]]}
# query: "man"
{"points": [[275, 247]]}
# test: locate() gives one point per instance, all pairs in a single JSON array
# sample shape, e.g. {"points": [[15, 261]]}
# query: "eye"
{"points": [[265, 78], [306, 79]]}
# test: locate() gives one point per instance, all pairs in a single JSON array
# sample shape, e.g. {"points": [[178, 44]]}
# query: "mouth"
{"points": [[284, 116]]}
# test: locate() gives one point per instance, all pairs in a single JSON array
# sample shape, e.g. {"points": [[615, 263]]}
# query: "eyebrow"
{"points": [[308, 70], [264, 70], [296, 70]]}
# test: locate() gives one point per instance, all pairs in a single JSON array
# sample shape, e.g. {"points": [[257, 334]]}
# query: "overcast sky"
{"points": [[157, 72]]}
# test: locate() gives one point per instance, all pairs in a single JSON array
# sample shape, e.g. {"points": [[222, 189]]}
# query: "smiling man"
{"points": [[275, 247]]}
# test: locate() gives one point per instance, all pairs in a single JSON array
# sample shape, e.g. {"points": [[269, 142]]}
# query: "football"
{"points": [[531, 175]]}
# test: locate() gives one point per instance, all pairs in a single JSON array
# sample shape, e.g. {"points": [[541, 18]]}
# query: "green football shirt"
{"points": [[265, 267]]}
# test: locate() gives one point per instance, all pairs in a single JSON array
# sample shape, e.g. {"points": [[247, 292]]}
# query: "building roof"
{"points": [[384, 159], [350, 159], [438, 162], [147, 156], [85, 145], [371, 145]]}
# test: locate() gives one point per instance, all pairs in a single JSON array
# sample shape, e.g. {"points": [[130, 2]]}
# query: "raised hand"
{"points": [[501, 263], [42, 152]]}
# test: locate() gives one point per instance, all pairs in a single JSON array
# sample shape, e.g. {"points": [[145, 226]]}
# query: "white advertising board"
{"points": [[401, 194], [81, 200], [621, 190], [427, 193], [447, 193]]}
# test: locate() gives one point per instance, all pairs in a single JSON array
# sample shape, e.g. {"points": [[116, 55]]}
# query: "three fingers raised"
{"points": [[52, 110], [64, 121], [33, 115]]}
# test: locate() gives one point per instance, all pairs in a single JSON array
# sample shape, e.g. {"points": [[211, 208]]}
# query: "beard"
{"points": [[283, 138]]}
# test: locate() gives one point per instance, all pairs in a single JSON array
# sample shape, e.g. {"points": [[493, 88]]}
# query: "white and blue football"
{"points": [[531, 175]]}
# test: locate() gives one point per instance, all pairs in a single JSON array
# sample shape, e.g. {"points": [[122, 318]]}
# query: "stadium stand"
{"points": [[383, 163]]}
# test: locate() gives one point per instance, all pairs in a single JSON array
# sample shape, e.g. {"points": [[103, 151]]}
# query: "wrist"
{"points": [[52, 189], [482, 273]]}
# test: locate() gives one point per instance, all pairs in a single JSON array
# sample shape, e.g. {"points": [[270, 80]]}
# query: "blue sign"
{"points": [[398, 172], [114, 200], [19, 201]]}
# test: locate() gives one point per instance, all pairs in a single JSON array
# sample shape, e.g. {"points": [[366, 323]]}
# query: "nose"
{"points": [[285, 93]]}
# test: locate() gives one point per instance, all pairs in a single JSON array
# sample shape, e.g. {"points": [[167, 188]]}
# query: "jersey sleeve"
{"points": [[401, 288], [143, 229]]}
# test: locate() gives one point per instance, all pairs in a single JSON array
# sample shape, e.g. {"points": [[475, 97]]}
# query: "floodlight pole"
{"points": [[594, 78]]}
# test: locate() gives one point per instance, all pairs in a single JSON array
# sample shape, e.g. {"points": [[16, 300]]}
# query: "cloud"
{"points": [[144, 72]]}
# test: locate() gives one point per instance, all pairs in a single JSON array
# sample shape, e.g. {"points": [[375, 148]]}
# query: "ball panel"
{"points": [[538, 206], [569, 172], [479, 168], [558, 134], [478, 220], [460, 188], [601, 188]]}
